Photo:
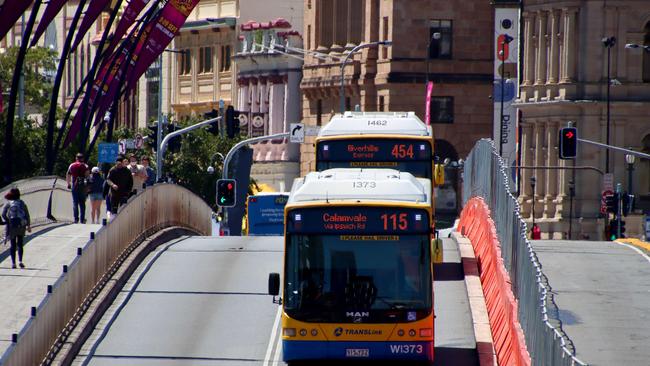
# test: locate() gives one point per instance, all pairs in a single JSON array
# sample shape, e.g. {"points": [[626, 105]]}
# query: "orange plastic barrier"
{"points": [[509, 343]]}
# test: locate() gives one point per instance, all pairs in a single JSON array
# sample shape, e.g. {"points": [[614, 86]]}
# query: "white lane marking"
{"points": [[276, 358], [636, 250], [269, 348]]}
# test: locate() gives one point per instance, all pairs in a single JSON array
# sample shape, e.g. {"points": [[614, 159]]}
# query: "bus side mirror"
{"points": [[274, 284], [438, 175]]}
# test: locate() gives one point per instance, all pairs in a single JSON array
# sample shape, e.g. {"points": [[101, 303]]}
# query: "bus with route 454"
{"points": [[358, 273], [393, 140]]}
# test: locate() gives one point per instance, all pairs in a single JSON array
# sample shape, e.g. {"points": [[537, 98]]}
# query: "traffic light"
{"points": [[174, 144], [613, 229], [568, 143], [214, 127], [232, 122], [612, 203], [152, 137], [628, 203], [226, 190]]}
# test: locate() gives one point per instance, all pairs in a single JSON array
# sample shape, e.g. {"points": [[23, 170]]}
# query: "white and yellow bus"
{"points": [[358, 273]]}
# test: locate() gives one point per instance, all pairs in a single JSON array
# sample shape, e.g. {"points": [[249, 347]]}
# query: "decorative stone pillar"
{"points": [[325, 25], [354, 29], [552, 158], [569, 44], [540, 78], [529, 48], [540, 160], [254, 96], [555, 57], [339, 25], [526, 160], [244, 98], [276, 105]]}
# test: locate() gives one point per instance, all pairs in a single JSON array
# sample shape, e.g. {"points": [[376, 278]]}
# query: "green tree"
{"points": [[39, 69]]}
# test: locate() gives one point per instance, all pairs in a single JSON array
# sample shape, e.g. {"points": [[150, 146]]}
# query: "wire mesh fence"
{"points": [[485, 175]]}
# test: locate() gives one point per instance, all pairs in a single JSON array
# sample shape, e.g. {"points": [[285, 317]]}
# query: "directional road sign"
{"points": [[297, 133], [107, 152]]}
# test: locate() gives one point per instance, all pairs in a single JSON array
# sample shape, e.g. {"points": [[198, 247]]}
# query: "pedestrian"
{"points": [[76, 179], [16, 215], [138, 172], [151, 172], [120, 182], [536, 233], [96, 183]]}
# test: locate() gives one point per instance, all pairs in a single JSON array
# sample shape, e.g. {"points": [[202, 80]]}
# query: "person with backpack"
{"points": [[96, 183], [76, 179], [16, 215]]}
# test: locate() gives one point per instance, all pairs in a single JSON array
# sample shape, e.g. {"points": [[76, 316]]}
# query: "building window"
{"points": [[68, 79], [83, 61], [319, 112], [381, 104], [225, 58], [88, 54], [152, 99], [440, 47], [205, 60], [442, 109], [646, 55], [384, 49], [185, 63], [75, 73]]}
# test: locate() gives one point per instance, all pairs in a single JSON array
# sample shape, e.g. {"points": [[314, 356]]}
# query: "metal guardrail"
{"points": [[485, 175], [157, 207]]}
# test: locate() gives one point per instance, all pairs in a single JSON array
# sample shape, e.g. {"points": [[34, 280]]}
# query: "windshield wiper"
{"points": [[394, 305]]}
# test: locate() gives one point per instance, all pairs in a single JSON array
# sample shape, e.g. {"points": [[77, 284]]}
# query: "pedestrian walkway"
{"points": [[21, 289]]}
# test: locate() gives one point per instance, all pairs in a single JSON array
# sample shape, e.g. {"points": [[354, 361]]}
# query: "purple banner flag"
{"points": [[130, 14], [94, 10], [166, 26], [53, 8], [9, 15]]}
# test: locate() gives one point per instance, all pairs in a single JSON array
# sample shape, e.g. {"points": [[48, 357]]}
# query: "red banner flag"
{"points": [[105, 78], [130, 14], [427, 111], [53, 8], [166, 26], [94, 10], [9, 14]]}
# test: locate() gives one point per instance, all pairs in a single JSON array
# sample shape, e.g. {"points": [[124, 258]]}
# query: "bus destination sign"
{"points": [[373, 150], [358, 220]]}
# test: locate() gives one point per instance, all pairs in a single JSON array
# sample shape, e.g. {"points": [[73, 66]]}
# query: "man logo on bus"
{"points": [[338, 331]]}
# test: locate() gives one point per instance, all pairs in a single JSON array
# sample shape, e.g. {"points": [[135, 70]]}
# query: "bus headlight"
{"points": [[303, 332], [400, 332], [412, 332], [289, 332], [314, 332]]}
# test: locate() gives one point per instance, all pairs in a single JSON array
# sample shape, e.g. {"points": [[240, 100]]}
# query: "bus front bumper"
{"points": [[319, 350]]}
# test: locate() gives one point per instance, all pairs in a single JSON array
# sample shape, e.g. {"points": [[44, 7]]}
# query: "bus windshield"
{"points": [[358, 278], [407, 155]]}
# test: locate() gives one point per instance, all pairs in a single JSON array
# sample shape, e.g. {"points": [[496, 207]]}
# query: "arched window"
{"points": [[646, 55]]}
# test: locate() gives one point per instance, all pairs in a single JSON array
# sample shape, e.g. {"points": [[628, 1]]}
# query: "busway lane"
{"points": [[202, 301]]}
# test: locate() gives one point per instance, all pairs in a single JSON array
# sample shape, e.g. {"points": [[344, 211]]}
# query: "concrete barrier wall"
{"points": [[157, 207]]}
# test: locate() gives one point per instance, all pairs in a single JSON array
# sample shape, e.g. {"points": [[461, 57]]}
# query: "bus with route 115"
{"points": [[358, 274]]}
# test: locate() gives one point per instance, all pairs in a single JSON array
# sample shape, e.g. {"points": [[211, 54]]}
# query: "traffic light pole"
{"points": [[619, 211], [163, 144], [231, 153]]}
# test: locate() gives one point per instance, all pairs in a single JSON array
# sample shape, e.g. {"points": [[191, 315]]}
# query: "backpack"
{"points": [[17, 216]]}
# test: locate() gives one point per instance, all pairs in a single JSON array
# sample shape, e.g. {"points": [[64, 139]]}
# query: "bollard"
{"points": [[79, 250], [92, 235], [14, 337], [33, 312], [104, 222], [49, 289], [65, 268]]}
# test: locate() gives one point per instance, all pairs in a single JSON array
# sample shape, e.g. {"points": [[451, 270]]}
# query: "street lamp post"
{"points": [[572, 193], [608, 42], [211, 168], [345, 60], [629, 159], [506, 40], [533, 181]]}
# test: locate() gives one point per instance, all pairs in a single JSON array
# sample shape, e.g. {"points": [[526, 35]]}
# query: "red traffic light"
{"points": [[569, 134], [229, 185]]}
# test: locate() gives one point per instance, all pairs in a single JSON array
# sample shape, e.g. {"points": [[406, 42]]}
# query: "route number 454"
{"points": [[402, 151]]}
